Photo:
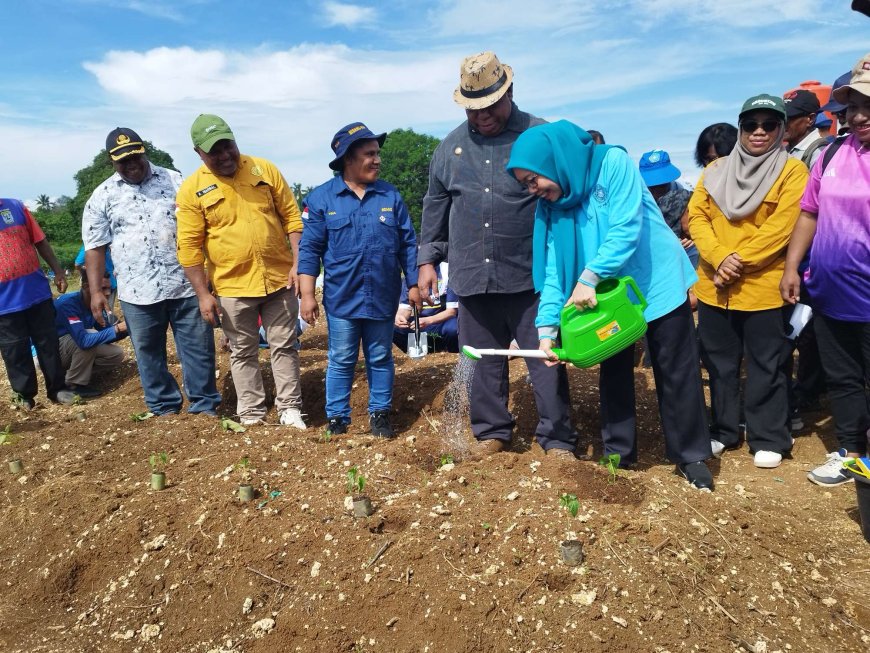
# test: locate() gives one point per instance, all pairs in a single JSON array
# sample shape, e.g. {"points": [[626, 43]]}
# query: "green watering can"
{"points": [[592, 335], [595, 334]]}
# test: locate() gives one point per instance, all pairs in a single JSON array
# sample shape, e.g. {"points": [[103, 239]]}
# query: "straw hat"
{"points": [[860, 80], [483, 80]]}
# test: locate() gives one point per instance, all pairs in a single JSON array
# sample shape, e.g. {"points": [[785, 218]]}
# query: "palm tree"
{"points": [[43, 203]]}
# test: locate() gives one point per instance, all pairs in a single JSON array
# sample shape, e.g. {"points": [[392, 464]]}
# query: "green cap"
{"points": [[765, 102], [208, 129]]}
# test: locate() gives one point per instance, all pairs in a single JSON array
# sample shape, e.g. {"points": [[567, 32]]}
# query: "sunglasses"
{"points": [[750, 126]]}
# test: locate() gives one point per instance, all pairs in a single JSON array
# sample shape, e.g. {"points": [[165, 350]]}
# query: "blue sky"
{"points": [[286, 75]]}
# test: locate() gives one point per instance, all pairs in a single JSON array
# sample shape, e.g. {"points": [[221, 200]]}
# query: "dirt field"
{"points": [[462, 557]]}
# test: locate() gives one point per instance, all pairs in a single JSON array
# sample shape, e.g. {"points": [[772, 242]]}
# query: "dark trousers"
{"points": [[845, 351], [673, 350], [492, 321], [17, 330], [756, 338]]}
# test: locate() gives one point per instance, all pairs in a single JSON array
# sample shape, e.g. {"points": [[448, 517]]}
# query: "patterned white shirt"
{"points": [[138, 220]]}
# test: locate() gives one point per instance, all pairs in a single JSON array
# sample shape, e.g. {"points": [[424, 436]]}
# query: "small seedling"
{"points": [[141, 417], [243, 468], [158, 461], [78, 401], [486, 525], [19, 401], [7, 436], [611, 462], [229, 425], [356, 482], [570, 503], [327, 436], [446, 459]]}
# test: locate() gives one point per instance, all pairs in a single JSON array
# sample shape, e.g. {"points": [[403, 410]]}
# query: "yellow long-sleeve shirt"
{"points": [[240, 224], [760, 240]]}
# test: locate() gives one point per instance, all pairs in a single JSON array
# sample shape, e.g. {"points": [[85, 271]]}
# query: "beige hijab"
{"points": [[739, 182]]}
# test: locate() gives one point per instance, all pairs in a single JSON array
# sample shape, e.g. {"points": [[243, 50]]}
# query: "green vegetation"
{"points": [[158, 461], [570, 503], [405, 160], [611, 462], [356, 482]]}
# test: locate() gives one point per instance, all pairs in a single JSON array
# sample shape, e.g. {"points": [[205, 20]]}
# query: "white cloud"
{"points": [[347, 15]]}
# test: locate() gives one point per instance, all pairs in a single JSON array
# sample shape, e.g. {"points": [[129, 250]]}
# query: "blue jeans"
{"points": [[194, 343], [344, 340]]}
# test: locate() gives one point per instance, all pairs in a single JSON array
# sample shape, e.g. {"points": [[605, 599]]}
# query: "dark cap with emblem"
{"points": [[122, 142], [801, 103], [347, 136]]}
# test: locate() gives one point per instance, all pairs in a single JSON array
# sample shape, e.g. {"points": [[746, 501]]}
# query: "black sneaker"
{"points": [[85, 391], [697, 474], [379, 422], [336, 426]]}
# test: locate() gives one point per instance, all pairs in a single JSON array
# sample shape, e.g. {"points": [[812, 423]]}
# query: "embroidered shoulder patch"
{"points": [[7, 216], [599, 194], [205, 190]]}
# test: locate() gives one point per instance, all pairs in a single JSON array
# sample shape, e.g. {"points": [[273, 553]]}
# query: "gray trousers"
{"points": [[492, 321], [80, 364]]}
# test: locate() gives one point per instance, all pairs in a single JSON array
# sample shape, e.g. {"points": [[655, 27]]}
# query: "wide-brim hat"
{"points": [[860, 81], [656, 168], [347, 136], [483, 80], [832, 105]]}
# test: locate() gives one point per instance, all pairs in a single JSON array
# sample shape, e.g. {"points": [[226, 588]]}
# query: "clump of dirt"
{"points": [[458, 555]]}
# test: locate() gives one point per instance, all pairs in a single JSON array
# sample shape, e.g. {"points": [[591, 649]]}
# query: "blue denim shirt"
{"points": [[364, 245]]}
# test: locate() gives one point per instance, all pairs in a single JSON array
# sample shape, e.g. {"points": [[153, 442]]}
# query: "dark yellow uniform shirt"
{"points": [[760, 239], [240, 224]]}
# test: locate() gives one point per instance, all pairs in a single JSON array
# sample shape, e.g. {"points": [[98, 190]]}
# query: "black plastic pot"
{"points": [[572, 552], [246, 493], [15, 466], [362, 507]]}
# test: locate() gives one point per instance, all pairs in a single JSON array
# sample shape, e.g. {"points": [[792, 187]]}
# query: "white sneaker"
{"points": [[831, 472], [717, 447], [293, 417], [252, 421], [767, 459]]}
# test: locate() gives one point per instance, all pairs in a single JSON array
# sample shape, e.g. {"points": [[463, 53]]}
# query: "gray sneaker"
{"points": [[831, 472], [65, 397]]}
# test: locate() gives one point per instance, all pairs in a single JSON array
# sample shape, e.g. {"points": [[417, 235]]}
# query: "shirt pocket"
{"points": [[214, 206], [386, 233], [340, 238]]}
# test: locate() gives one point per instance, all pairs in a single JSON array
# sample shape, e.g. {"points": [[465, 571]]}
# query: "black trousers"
{"points": [[673, 350], [17, 330], [492, 321], [756, 338], [845, 350]]}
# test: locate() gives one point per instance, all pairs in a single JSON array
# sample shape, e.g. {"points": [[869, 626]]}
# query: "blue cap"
{"points": [[347, 136], [656, 168], [833, 106], [822, 121]]}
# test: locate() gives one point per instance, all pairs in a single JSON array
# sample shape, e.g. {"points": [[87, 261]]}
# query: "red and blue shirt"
{"points": [[22, 282]]}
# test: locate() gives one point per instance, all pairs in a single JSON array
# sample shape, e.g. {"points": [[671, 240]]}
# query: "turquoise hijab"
{"points": [[564, 153]]}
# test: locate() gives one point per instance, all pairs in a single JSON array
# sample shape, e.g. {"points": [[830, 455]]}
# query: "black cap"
{"points": [[801, 103], [122, 142]]}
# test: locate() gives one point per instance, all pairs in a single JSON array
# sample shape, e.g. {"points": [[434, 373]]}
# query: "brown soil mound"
{"points": [[460, 557]]}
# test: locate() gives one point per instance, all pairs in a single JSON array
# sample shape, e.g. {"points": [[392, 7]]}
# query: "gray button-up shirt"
{"points": [[478, 213], [138, 221]]}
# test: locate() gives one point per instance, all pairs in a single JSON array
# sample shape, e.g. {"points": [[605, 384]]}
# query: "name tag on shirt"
{"points": [[205, 190]]}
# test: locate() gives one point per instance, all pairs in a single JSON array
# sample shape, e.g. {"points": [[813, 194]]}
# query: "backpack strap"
{"points": [[832, 150], [814, 147]]}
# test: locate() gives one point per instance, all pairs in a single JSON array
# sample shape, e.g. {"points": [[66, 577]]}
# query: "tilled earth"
{"points": [[462, 556]]}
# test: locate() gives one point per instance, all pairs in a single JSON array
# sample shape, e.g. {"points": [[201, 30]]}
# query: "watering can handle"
{"points": [[629, 281]]}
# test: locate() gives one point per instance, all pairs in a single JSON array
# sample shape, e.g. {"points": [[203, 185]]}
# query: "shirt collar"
{"points": [[808, 140], [339, 187]]}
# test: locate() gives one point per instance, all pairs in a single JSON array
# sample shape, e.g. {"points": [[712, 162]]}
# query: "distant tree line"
{"points": [[404, 163]]}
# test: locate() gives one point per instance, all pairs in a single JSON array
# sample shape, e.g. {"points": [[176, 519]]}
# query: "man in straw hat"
{"points": [[478, 215]]}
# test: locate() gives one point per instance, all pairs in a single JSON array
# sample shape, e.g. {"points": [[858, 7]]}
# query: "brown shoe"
{"points": [[565, 454], [485, 448]]}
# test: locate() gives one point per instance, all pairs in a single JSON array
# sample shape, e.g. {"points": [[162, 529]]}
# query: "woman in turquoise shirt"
{"points": [[595, 219]]}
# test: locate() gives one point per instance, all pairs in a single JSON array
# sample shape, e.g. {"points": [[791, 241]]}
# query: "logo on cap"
{"points": [[764, 101], [122, 139], [655, 157]]}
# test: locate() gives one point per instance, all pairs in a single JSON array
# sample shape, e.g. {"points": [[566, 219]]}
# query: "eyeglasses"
{"points": [[530, 182], [750, 126]]}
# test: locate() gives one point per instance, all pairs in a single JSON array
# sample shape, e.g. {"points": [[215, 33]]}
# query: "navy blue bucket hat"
{"points": [[347, 136], [656, 168]]}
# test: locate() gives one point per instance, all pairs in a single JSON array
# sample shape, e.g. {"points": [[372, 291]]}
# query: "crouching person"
{"points": [[85, 346]]}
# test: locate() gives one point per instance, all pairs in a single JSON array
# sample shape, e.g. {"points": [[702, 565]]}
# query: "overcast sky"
{"points": [[287, 74]]}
